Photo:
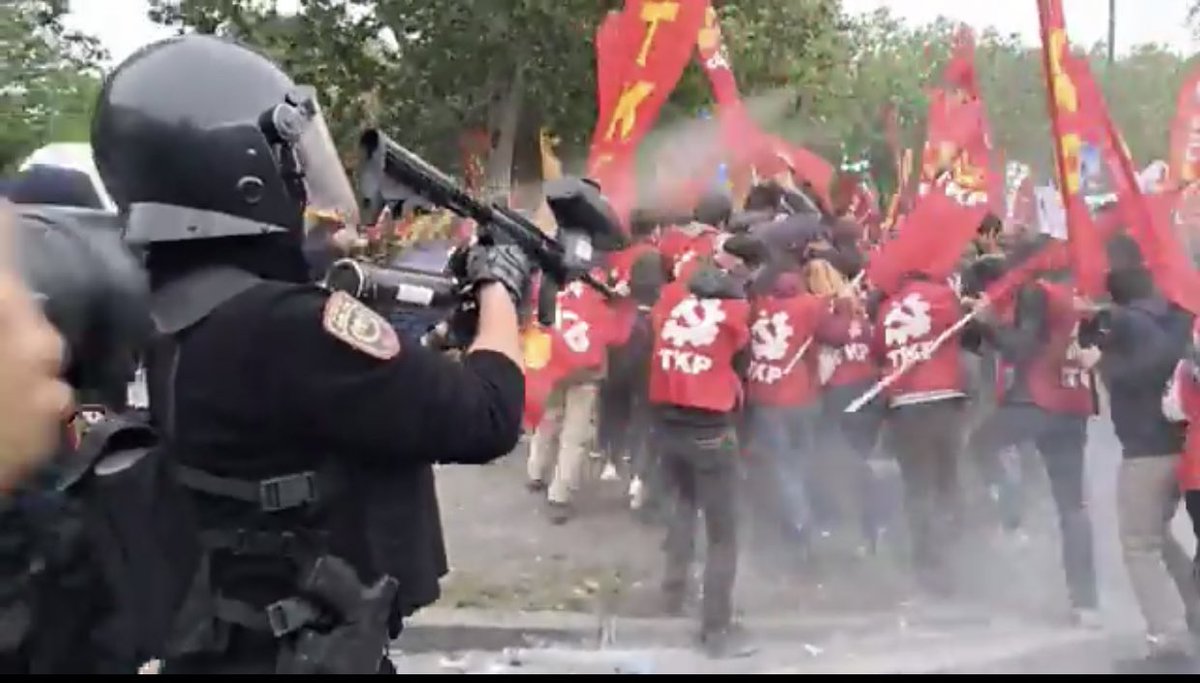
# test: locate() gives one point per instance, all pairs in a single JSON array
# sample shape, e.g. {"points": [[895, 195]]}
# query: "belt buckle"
{"points": [[288, 491], [286, 616]]}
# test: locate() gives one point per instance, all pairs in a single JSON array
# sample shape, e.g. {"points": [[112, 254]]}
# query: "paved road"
{"points": [[507, 557]]}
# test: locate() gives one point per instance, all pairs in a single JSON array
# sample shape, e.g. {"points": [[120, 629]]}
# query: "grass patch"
{"points": [[558, 589]]}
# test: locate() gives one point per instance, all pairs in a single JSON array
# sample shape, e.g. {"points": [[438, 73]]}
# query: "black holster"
{"points": [[355, 638]]}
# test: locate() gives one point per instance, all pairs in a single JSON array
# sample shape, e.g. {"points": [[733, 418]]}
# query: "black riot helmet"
{"points": [[199, 138]]}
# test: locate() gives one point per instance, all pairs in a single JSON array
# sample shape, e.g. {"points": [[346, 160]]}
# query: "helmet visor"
{"points": [[328, 193]]}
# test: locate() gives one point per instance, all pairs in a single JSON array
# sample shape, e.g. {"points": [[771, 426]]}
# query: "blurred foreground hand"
{"points": [[33, 400]]}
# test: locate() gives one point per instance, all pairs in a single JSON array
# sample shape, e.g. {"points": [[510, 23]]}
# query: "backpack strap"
{"points": [[180, 305], [112, 434]]}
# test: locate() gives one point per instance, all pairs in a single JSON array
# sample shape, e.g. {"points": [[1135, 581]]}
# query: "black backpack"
{"points": [[142, 530]]}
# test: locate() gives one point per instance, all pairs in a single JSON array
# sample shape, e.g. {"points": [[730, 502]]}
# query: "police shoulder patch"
{"points": [[349, 320]]}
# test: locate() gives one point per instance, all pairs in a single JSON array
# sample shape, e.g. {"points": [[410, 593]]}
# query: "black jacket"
{"points": [[263, 389], [1019, 343], [1145, 340]]}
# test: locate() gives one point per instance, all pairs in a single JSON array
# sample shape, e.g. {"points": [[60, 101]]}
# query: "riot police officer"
{"points": [[276, 398]]}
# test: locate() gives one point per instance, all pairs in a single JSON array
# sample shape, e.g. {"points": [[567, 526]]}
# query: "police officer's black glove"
{"points": [[504, 263]]}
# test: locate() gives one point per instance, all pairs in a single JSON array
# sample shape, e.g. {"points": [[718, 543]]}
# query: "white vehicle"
{"points": [[73, 155]]}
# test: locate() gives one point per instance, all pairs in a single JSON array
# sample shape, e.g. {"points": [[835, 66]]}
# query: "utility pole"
{"points": [[1112, 32]]}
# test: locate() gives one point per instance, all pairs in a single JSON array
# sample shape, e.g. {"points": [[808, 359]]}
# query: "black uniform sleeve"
{"points": [[1020, 342], [416, 407]]}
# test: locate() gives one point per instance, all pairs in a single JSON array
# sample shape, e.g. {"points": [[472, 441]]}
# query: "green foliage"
{"points": [[432, 67], [48, 78], [894, 63], [428, 69]]}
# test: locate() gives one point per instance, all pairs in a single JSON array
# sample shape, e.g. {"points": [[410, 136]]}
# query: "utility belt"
{"points": [[333, 623]]}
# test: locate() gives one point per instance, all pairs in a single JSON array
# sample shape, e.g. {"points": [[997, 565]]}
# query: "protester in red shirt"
{"points": [[789, 323], [926, 416], [847, 371], [1046, 397], [700, 326]]}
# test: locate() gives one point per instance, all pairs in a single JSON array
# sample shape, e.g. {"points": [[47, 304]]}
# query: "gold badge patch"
{"points": [[351, 321]]}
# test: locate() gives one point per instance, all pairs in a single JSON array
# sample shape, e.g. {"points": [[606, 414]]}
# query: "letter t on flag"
{"points": [[1088, 258]]}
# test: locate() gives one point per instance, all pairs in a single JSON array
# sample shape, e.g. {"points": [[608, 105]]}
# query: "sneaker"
{"points": [[1169, 646], [535, 485], [637, 494], [559, 512], [726, 643], [1164, 655], [609, 473]]}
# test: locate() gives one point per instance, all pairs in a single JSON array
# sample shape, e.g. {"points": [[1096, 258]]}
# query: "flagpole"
{"points": [[1112, 32], [910, 361]]}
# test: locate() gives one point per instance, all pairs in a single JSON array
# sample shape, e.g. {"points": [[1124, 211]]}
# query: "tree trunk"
{"points": [[504, 117], [527, 160]]}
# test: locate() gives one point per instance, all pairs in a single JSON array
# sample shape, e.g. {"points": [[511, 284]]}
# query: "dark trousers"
{"points": [[614, 418], [700, 473], [928, 441], [1191, 500], [856, 435], [784, 444], [1060, 439]]}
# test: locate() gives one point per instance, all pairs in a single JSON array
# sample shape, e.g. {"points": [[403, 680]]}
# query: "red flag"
{"points": [[612, 58], [1088, 258], [1022, 206], [1055, 255], [714, 59], [957, 127], [954, 194], [1185, 132], [1148, 219], [959, 73], [957, 140], [744, 143], [935, 234], [660, 36], [541, 376]]}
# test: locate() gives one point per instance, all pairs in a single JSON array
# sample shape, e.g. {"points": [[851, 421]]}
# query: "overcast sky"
{"points": [[123, 27]]}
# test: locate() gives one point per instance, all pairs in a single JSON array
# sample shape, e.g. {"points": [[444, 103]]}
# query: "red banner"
{"points": [[1185, 133], [742, 144], [1055, 255], [935, 234], [1185, 154], [611, 60], [660, 34], [714, 59], [1149, 220], [1070, 128]]}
